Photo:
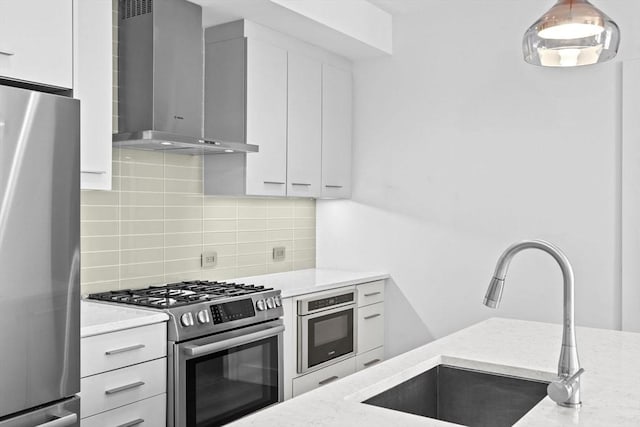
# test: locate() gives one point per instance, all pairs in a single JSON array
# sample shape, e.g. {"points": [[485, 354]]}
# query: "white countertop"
{"points": [[300, 282], [99, 318], [610, 386]]}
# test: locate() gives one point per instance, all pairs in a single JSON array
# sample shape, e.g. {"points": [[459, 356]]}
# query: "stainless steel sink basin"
{"points": [[465, 397]]}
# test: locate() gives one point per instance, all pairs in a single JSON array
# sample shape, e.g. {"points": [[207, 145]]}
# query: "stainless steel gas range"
{"points": [[224, 350]]}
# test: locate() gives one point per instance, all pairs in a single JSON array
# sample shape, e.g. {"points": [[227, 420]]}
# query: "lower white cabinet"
{"points": [[149, 412], [370, 327], [323, 376], [369, 359], [124, 378]]}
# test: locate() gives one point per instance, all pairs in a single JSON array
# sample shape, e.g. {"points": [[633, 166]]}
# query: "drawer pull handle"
{"points": [[372, 362], [328, 380], [370, 294], [124, 387], [94, 172], [301, 183], [274, 182], [124, 349], [371, 316], [333, 186], [6, 53], [132, 423]]}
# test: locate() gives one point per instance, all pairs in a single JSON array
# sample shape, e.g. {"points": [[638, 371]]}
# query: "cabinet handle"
{"points": [[94, 172], [131, 423], [6, 53], [124, 387], [328, 380], [124, 349], [372, 362], [301, 183], [274, 182], [333, 186], [371, 316], [372, 294]]}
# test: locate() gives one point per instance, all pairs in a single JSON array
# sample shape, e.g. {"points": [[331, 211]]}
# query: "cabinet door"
{"points": [[336, 132], [267, 119], [93, 87], [36, 41], [304, 126]]}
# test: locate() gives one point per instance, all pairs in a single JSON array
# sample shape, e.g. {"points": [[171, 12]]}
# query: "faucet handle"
{"points": [[562, 389]]}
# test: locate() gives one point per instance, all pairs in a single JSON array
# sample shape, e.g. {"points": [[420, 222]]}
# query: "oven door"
{"points": [[326, 337], [223, 377]]}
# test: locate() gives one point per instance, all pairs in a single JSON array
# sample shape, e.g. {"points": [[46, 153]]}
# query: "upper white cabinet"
{"points": [[304, 126], [336, 132], [92, 85], [36, 41], [284, 96], [246, 101]]}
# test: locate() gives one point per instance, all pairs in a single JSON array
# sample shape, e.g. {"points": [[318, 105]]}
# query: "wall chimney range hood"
{"points": [[160, 80]]}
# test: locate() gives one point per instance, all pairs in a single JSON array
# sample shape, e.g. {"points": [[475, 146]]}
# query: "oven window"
{"points": [[225, 386], [330, 336]]}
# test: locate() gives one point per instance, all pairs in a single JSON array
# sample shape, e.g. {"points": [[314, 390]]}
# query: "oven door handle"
{"points": [[199, 350]]}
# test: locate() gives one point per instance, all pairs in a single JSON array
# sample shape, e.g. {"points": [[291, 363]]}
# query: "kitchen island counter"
{"points": [[300, 282], [610, 386]]}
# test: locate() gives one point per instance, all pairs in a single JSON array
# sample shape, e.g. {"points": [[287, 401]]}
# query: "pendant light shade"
{"points": [[570, 34]]}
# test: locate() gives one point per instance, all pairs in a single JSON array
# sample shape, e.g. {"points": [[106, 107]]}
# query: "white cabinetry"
{"points": [[36, 41], [304, 126], [290, 100], [124, 377], [92, 85], [336, 132]]}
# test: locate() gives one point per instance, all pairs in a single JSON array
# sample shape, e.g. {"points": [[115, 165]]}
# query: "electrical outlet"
{"points": [[209, 259], [279, 253]]}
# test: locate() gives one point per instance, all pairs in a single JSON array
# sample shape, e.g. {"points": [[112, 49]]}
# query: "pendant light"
{"points": [[572, 33]]}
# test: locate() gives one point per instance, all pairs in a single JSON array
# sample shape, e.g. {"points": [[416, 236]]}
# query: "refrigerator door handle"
{"points": [[64, 421]]}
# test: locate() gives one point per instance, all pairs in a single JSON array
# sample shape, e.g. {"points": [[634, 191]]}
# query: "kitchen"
{"points": [[459, 148]]}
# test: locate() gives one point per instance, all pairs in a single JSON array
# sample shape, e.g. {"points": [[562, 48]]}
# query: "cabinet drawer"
{"points": [[323, 376], [148, 412], [370, 358], [370, 327], [370, 293], [101, 353], [110, 390]]}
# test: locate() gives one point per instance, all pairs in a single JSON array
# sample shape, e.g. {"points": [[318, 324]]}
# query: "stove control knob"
{"points": [[186, 320], [278, 301], [260, 305], [203, 316], [271, 303]]}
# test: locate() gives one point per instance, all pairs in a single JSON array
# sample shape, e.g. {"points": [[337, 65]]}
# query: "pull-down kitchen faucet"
{"points": [[565, 391]]}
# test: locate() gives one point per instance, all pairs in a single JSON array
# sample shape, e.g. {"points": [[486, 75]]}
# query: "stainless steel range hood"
{"points": [[160, 79]]}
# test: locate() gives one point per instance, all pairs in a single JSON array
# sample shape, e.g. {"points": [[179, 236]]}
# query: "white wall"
{"points": [[460, 148]]}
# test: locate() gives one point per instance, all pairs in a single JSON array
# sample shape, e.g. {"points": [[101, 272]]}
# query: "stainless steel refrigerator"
{"points": [[39, 259]]}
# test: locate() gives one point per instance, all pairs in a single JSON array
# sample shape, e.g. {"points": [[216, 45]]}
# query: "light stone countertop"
{"points": [[99, 318], [610, 386], [300, 282]]}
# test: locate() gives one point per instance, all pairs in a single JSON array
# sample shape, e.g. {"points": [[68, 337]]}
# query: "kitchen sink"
{"points": [[462, 396]]}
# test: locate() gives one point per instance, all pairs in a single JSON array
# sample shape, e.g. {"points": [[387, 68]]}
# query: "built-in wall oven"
{"points": [[326, 328]]}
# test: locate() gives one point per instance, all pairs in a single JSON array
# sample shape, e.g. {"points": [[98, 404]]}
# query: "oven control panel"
{"points": [[318, 304], [230, 311]]}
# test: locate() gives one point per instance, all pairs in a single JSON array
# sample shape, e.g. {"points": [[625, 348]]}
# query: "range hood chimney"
{"points": [[160, 78]]}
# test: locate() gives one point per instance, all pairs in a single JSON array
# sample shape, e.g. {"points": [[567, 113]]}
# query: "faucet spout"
{"points": [[568, 365]]}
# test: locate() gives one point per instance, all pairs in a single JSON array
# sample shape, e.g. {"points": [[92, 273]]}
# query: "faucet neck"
{"points": [[568, 363]]}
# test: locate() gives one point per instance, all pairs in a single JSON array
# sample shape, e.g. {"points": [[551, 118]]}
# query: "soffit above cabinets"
{"points": [[355, 29]]}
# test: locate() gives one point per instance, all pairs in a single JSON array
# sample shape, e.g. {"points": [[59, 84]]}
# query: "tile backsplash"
{"points": [[154, 225]]}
